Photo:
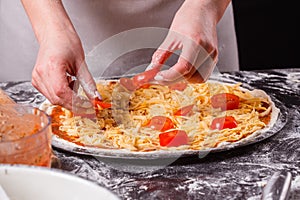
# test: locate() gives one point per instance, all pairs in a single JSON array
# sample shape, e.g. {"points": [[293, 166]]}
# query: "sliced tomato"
{"points": [[97, 102], [160, 123], [225, 101], [145, 86], [141, 80], [173, 138], [145, 77], [184, 111], [128, 84], [160, 56], [180, 86], [223, 122]]}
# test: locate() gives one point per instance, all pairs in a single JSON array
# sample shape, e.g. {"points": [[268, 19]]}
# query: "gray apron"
{"points": [[117, 35]]}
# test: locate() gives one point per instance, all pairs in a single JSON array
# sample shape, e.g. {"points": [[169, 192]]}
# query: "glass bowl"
{"points": [[25, 135]]}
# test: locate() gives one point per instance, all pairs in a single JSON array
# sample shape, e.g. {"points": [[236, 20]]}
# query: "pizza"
{"points": [[137, 115]]}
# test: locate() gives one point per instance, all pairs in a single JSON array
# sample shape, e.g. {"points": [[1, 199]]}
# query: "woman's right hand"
{"points": [[61, 56]]}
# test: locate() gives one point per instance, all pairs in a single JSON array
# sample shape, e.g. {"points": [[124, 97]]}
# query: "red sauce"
{"points": [[56, 113], [266, 119]]}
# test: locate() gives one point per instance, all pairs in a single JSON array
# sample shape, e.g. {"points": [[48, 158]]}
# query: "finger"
{"points": [[42, 80], [160, 56], [59, 89], [87, 82], [158, 59], [177, 72], [57, 81], [206, 68], [195, 54], [37, 82], [196, 77], [164, 51], [214, 55], [202, 73], [191, 61], [69, 98], [184, 65]]}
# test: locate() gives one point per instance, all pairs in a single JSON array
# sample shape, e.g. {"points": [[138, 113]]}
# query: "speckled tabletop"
{"points": [[240, 173]]}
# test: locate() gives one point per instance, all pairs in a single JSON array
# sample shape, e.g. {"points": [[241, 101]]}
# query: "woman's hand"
{"points": [[60, 56], [193, 31]]}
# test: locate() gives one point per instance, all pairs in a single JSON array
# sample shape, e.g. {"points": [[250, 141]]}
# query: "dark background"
{"points": [[267, 33]]}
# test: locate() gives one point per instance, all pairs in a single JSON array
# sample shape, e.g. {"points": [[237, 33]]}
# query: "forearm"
{"points": [[216, 8], [47, 17]]}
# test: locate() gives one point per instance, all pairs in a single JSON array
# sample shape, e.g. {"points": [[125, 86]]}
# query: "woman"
{"points": [[65, 32]]}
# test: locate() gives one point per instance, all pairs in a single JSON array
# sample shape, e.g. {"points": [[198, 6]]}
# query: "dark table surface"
{"points": [[240, 173]]}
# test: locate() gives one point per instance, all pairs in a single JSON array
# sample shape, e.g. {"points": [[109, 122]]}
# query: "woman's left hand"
{"points": [[193, 31]]}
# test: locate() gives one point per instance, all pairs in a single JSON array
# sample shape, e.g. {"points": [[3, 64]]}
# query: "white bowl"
{"points": [[37, 183]]}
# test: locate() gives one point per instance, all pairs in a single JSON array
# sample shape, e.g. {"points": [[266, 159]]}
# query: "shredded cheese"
{"points": [[123, 126]]}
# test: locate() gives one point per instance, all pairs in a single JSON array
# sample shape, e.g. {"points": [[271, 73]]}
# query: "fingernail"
{"points": [[97, 94], [158, 77]]}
